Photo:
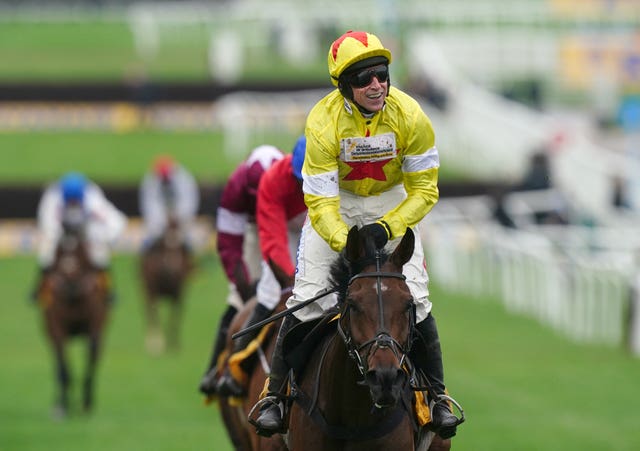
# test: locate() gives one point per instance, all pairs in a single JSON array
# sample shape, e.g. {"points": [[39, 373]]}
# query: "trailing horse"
{"points": [[165, 266], [74, 302], [235, 411]]}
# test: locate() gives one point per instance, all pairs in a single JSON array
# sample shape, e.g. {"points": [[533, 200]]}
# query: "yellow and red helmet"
{"points": [[353, 47]]}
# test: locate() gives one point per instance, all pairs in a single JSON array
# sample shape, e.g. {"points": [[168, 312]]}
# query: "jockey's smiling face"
{"points": [[370, 87]]}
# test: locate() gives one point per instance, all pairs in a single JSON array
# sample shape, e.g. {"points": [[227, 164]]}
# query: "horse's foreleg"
{"points": [[175, 320], [89, 375], [63, 376], [235, 423]]}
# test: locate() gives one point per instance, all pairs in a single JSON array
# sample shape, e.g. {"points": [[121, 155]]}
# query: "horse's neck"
{"points": [[172, 237], [340, 379], [74, 245]]}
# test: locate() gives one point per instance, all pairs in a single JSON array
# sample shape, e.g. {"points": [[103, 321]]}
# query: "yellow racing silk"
{"points": [[368, 156], [421, 408]]}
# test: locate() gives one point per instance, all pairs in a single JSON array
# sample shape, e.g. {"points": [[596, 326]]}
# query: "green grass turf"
{"points": [[65, 51], [103, 156], [93, 50], [123, 158], [522, 386], [526, 388], [142, 402], [117, 157]]}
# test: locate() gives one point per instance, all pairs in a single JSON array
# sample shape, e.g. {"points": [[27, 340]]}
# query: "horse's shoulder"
{"points": [[303, 339]]}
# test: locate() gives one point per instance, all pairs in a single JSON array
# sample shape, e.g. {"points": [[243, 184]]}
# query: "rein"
{"points": [[283, 313]]}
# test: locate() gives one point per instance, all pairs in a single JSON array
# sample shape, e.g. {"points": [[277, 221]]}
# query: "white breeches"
{"points": [[315, 256], [269, 290]]}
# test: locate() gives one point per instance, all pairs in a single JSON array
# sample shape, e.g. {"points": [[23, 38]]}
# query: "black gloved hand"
{"points": [[378, 232]]}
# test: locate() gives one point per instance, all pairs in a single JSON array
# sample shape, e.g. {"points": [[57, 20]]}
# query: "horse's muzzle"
{"points": [[385, 386]]}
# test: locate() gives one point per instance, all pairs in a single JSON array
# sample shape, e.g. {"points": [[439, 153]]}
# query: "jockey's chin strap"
{"points": [[383, 338]]}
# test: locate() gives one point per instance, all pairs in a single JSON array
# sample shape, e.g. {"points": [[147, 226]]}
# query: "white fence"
{"points": [[576, 280]]}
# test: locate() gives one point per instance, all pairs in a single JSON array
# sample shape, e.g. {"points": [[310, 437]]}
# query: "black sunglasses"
{"points": [[365, 76]]}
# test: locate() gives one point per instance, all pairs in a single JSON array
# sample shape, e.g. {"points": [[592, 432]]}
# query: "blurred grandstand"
{"points": [[500, 80]]}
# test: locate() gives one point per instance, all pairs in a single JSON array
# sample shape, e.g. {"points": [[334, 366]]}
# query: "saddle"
{"points": [[303, 338], [296, 346]]}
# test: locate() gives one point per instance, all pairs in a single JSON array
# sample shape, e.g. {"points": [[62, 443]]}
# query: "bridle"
{"points": [[382, 338]]}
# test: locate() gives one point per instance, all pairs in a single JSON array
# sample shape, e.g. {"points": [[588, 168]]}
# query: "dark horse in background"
{"points": [[235, 411], [353, 384], [165, 266], [74, 301]]}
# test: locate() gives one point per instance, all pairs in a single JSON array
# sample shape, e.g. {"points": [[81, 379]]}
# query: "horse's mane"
{"points": [[342, 270]]}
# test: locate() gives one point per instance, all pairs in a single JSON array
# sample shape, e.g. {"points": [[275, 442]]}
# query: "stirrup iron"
{"points": [[439, 399]]}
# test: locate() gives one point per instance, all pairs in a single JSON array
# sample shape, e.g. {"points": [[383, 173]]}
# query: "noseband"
{"points": [[382, 338]]}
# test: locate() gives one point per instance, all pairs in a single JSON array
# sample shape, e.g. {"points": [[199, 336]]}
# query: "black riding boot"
{"points": [[227, 385], [270, 419], [430, 362], [210, 378]]}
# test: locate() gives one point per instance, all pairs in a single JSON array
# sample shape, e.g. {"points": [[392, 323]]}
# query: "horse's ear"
{"points": [[353, 251], [403, 252]]}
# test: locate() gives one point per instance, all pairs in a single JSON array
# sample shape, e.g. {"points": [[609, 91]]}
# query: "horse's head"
{"points": [[71, 261], [71, 251], [377, 312], [172, 238]]}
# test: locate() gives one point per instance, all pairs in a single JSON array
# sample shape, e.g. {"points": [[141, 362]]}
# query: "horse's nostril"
{"points": [[371, 377], [385, 383]]}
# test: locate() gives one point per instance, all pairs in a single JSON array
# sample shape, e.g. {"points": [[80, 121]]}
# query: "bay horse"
{"points": [[356, 389], [164, 267], [235, 412], [74, 303]]}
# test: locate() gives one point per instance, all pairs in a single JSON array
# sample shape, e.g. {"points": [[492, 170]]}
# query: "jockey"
{"points": [[168, 190], [371, 161], [74, 200], [237, 243], [280, 214]]}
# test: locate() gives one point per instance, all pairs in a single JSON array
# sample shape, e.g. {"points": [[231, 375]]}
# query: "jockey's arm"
{"points": [[107, 223]]}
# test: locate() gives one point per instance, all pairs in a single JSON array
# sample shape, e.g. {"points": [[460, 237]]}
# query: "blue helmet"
{"points": [[298, 156], [73, 186]]}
